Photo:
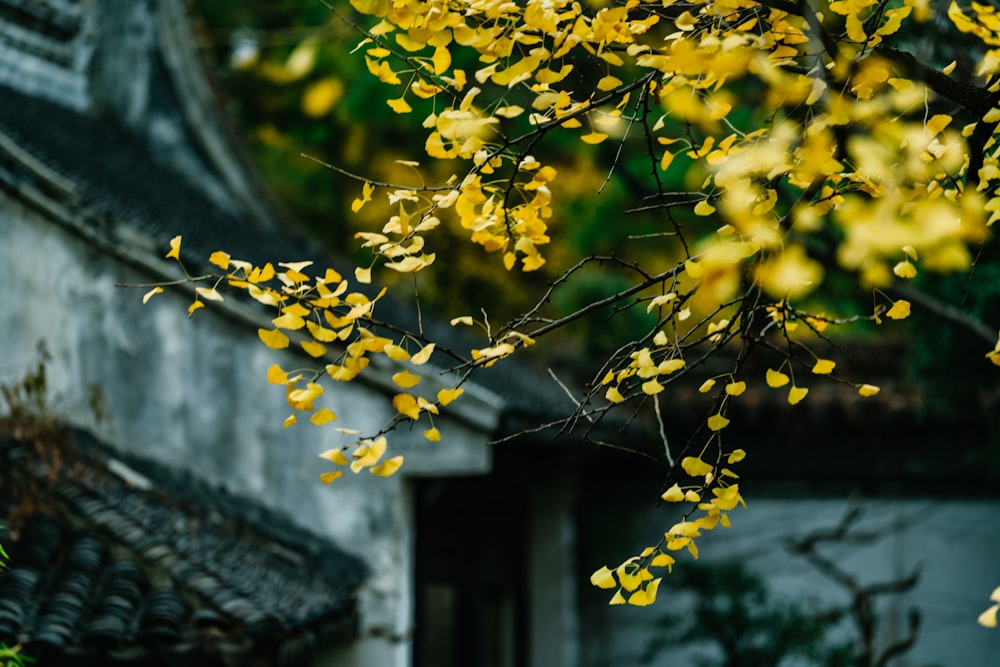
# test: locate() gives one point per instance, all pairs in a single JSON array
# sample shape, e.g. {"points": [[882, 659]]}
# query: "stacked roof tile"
{"points": [[129, 567]]}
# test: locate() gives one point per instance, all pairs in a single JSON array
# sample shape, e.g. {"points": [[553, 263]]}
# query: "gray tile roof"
{"points": [[134, 558], [110, 175]]}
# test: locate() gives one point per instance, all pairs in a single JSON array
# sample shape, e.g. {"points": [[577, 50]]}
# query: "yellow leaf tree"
{"points": [[788, 148]]}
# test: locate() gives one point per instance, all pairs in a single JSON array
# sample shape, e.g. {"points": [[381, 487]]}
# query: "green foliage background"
{"points": [[362, 134]]}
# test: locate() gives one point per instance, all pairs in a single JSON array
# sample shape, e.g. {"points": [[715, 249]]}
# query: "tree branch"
{"points": [[947, 312]]}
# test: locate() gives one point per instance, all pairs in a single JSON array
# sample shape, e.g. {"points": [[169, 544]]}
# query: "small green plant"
{"points": [[10, 656]]}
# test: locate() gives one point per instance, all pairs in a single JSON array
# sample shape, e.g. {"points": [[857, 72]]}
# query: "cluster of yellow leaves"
{"points": [[683, 60], [367, 454], [856, 155], [647, 365], [988, 618], [401, 241], [848, 165], [711, 497], [329, 322]]}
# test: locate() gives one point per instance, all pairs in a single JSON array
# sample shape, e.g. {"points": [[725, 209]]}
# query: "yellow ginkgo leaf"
{"points": [[717, 422], [296, 309], [423, 356], [273, 339], [320, 333], [367, 454], [321, 96], [289, 420], [663, 560], [313, 349], [406, 405], [301, 60], [994, 354], [796, 394], [220, 259], [824, 366], [411, 264], [669, 366], [328, 477], [609, 83], [289, 321], [388, 467], [195, 305], [775, 378], [593, 138], [396, 353], [441, 60], [651, 387], [736, 388], [900, 310], [366, 196], [399, 105], [363, 275], [509, 111], [629, 577], [706, 386], [736, 456], [335, 455], [673, 494], [703, 208], [937, 123], [666, 160], [446, 396], [683, 529], [175, 249], [617, 598], [868, 390], [988, 619], [322, 416], [433, 434], [905, 270], [208, 293], [695, 466], [603, 578], [311, 391], [646, 596], [276, 376], [405, 379], [613, 395], [149, 295]]}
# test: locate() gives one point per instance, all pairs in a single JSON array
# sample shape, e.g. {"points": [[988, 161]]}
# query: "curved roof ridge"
{"points": [[207, 121]]}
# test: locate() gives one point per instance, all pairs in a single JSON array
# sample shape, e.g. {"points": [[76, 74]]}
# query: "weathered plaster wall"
{"points": [[192, 393], [953, 543]]}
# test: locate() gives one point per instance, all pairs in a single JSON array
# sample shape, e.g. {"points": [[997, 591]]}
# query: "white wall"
{"points": [[193, 393]]}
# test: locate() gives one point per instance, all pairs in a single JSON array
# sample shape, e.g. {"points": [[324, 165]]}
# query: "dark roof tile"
{"points": [[125, 569]]}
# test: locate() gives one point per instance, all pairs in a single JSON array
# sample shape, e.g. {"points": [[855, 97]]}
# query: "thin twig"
{"points": [[663, 432], [577, 403]]}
